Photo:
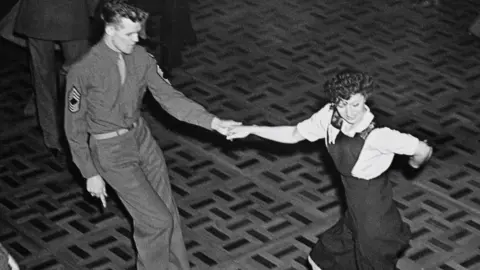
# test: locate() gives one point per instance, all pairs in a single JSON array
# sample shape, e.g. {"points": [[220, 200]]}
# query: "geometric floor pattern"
{"points": [[253, 204]]}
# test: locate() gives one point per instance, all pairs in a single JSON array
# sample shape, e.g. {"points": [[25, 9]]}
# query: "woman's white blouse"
{"points": [[380, 146]]}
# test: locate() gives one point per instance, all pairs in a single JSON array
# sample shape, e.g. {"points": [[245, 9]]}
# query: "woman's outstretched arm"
{"points": [[282, 134]]}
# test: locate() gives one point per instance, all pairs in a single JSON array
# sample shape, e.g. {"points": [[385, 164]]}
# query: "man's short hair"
{"points": [[114, 10]]}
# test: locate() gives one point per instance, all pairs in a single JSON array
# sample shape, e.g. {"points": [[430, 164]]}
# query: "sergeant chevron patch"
{"points": [[74, 100]]}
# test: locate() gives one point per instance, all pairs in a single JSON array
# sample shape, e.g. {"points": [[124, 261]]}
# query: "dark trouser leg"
{"points": [[155, 44], [72, 51], [153, 164], [153, 31], [42, 65], [177, 31], [188, 36]]}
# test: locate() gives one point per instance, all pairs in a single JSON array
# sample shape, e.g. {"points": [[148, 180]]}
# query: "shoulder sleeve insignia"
{"points": [[74, 100], [160, 73]]}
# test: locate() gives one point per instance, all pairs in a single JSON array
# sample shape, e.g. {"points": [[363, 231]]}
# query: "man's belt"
{"points": [[115, 133]]}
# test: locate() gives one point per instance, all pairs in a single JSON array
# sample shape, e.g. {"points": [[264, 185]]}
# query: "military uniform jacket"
{"points": [[54, 19], [97, 101]]}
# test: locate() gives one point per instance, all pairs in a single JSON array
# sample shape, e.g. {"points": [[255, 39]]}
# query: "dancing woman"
{"points": [[371, 234]]}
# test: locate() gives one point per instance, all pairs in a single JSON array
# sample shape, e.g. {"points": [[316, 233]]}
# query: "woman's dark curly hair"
{"points": [[348, 83], [114, 10]]}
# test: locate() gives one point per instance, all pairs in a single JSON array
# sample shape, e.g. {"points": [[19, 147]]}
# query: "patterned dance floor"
{"points": [[253, 204]]}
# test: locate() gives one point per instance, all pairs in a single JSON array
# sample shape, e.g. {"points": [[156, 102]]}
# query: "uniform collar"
{"points": [[104, 49]]}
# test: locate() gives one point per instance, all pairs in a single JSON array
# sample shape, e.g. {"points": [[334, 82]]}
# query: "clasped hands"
{"points": [[231, 129]]}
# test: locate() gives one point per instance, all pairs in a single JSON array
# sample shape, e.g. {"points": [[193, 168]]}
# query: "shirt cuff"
{"points": [[90, 171], [205, 121], [414, 142]]}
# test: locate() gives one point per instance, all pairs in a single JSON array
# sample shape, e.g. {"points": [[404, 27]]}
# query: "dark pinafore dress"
{"points": [[371, 234]]}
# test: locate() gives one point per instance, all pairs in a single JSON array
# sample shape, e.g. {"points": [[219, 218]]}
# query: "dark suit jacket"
{"points": [[54, 19]]}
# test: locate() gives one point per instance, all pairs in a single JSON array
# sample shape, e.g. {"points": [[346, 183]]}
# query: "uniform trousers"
{"points": [[46, 81], [133, 164]]}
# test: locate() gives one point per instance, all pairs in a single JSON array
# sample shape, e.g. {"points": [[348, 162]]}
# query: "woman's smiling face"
{"points": [[353, 109]]}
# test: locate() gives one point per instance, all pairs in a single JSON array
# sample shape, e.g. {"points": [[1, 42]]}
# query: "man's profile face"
{"points": [[125, 35]]}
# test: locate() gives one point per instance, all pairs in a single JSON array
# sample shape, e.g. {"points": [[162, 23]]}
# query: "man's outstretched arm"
{"points": [[181, 107]]}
